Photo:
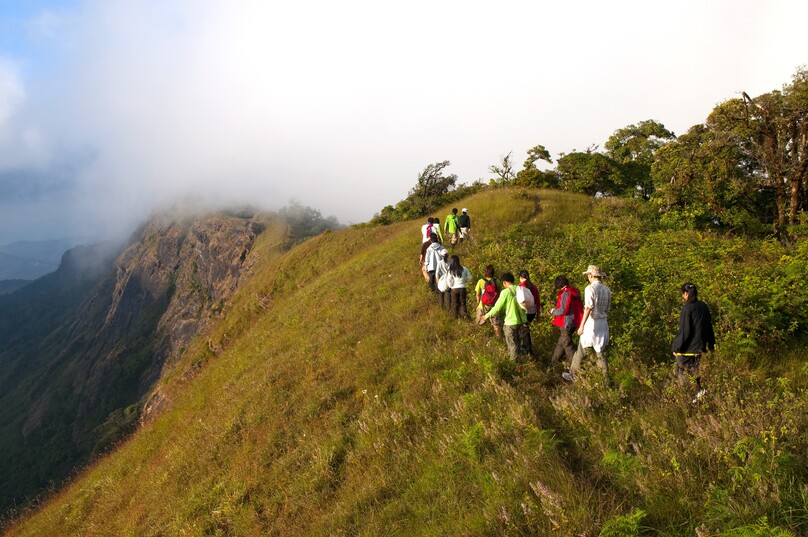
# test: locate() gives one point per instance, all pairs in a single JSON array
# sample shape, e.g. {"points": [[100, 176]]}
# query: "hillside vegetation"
{"points": [[335, 398]]}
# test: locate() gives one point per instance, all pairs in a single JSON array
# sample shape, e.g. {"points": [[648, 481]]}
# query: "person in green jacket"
{"points": [[450, 226], [515, 316]]}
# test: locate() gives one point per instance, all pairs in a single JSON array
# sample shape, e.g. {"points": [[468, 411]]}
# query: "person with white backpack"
{"points": [[527, 295]]}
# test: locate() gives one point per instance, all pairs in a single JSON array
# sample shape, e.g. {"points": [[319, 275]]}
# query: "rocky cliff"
{"points": [[81, 384]]}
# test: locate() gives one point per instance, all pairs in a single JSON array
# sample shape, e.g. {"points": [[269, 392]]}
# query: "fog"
{"points": [[108, 108]]}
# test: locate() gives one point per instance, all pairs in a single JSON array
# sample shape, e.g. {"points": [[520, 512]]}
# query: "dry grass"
{"points": [[336, 399]]}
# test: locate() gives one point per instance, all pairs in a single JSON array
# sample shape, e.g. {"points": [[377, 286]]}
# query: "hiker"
{"points": [[527, 294], [464, 223], [432, 257], [436, 228], [421, 260], [594, 329], [426, 229], [695, 337], [487, 292], [526, 284], [567, 317], [450, 226], [443, 278], [460, 277], [515, 316]]}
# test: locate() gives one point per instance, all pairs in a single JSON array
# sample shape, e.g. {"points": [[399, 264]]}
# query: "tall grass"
{"points": [[335, 398]]}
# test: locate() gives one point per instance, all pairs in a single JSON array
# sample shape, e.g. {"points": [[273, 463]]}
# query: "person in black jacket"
{"points": [[695, 337], [464, 223]]}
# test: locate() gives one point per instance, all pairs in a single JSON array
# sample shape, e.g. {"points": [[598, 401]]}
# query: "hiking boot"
{"points": [[701, 393], [566, 375]]}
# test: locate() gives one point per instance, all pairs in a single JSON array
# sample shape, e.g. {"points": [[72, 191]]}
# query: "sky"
{"points": [[111, 108]]}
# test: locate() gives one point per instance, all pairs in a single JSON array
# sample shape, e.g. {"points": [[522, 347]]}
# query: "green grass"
{"points": [[334, 398]]}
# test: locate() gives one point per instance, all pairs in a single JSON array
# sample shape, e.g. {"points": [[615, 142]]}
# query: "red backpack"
{"points": [[577, 308], [490, 292]]}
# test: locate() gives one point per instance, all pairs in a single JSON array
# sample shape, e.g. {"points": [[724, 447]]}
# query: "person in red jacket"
{"points": [[567, 317]]}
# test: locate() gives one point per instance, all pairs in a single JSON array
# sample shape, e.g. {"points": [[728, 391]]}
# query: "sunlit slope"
{"points": [[336, 399], [341, 400]]}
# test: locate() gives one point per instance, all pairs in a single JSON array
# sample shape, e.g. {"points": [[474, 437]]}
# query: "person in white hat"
{"points": [[594, 329]]}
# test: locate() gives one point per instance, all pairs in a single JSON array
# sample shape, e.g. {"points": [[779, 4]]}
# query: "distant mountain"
{"points": [[29, 260], [22, 268], [9, 286]]}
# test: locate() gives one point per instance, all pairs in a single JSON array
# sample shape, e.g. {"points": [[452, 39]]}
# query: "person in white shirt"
{"points": [[443, 279], [426, 230], [432, 257], [594, 330], [460, 278]]}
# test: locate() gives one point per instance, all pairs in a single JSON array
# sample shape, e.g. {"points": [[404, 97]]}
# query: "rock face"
{"points": [[80, 388], [196, 268]]}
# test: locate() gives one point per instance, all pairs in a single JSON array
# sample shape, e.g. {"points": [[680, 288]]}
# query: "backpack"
{"points": [[429, 230], [577, 309], [524, 294], [490, 292], [445, 282]]}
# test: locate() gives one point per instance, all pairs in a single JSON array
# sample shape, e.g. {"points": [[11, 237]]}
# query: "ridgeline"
{"points": [[333, 397]]}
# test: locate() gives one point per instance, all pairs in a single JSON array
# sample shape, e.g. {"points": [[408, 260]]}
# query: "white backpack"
{"points": [[523, 294]]}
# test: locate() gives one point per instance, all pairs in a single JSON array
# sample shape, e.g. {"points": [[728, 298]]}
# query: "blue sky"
{"points": [[109, 108], [20, 29]]}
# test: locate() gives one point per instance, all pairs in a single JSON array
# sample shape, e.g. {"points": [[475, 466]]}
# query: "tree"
{"points": [[634, 148], [590, 173], [702, 179], [538, 152], [432, 183], [305, 221], [503, 171], [432, 190], [531, 176], [771, 132]]}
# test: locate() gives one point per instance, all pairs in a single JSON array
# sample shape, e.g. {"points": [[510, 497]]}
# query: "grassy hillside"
{"points": [[335, 398]]}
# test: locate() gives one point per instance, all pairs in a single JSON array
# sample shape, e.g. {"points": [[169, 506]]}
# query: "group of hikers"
{"points": [[511, 307]]}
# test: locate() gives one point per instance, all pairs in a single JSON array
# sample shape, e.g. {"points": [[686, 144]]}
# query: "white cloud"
{"points": [[340, 105], [11, 91]]}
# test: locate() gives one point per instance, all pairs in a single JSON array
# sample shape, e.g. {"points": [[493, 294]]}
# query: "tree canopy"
{"points": [[745, 168]]}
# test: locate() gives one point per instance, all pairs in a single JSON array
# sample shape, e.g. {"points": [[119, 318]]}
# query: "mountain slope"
{"points": [[335, 398], [29, 260], [81, 347]]}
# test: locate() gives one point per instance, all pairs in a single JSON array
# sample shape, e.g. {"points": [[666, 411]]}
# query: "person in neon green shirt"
{"points": [[515, 316], [450, 226]]}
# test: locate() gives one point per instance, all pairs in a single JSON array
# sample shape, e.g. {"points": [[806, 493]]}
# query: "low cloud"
{"points": [[338, 105]]}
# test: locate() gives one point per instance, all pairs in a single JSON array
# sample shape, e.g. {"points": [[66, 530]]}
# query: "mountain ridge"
{"points": [[333, 397], [29, 260]]}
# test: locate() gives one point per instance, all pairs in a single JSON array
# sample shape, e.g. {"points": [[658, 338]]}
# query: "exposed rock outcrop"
{"points": [[167, 285]]}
